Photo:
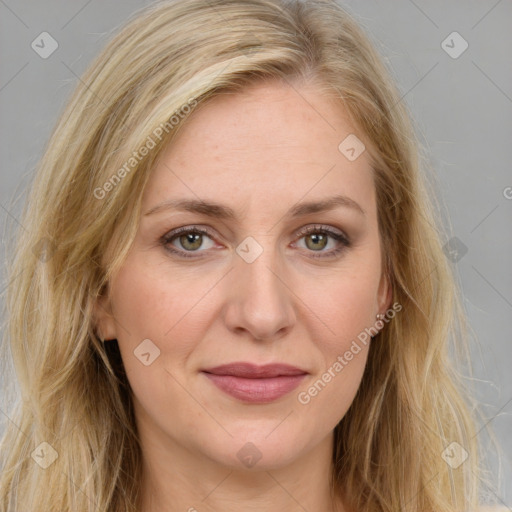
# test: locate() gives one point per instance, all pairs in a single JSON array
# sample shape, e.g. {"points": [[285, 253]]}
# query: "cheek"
{"points": [[345, 305], [151, 304], [153, 300], [331, 391]]}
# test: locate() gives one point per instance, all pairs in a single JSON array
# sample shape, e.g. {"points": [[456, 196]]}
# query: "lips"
{"points": [[252, 371], [255, 384]]}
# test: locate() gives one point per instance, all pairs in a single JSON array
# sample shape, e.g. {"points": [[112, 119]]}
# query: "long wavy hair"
{"points": [[75, 397]]}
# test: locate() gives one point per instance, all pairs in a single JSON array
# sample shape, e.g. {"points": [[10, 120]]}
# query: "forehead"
{"points": [[269, 140]]}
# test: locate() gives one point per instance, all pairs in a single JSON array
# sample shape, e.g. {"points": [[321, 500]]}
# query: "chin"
{"points": [[255, 450]]}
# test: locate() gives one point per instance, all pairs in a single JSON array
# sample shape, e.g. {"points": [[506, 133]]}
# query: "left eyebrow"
{"points": [[220, 211], [324, 205]]}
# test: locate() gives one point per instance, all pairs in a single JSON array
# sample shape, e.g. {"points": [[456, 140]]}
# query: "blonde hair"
{"points": [[75, 396]]}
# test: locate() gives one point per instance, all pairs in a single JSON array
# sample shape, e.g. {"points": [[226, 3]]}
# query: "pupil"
{"points": [[317, 238], [192, 239]]}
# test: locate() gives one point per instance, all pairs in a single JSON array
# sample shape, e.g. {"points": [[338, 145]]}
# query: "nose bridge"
{"points": [[262, 303]]}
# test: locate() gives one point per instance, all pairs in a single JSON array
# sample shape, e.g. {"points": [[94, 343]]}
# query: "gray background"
{"points": [[462, 108]]}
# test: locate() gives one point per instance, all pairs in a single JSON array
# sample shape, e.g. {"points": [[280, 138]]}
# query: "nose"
{"points": [[260, 300]]}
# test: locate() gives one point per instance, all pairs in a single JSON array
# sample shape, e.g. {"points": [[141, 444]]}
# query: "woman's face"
{"points": [[255, 288]]}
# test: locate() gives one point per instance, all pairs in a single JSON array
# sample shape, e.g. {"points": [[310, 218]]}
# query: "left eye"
{"points": [[316, 238], [191, 240]]}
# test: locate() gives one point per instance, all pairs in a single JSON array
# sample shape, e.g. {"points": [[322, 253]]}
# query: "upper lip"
{"points": [[253, 371]]}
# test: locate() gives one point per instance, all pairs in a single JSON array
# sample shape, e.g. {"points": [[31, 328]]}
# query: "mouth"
{"points": [[255, 384]]}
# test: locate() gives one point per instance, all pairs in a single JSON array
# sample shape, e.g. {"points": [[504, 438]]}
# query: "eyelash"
{"points": [[317, 229]]}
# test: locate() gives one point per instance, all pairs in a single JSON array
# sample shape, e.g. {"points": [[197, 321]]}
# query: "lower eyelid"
{"points": [[167, 241], [341, 239], [342, 245]]}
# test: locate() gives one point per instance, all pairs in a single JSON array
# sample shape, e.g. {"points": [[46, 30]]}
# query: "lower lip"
{"points": [[256, 390]]}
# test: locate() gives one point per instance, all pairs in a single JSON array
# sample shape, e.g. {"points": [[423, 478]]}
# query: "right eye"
{"points": [[190, 238]]}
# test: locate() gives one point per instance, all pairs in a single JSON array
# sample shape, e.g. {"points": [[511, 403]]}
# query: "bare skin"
{"points": [[259, 152]]}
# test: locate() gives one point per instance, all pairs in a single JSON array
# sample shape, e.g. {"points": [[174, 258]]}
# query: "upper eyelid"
{"points": [[210, 232], [336, 233], [321, 227]]}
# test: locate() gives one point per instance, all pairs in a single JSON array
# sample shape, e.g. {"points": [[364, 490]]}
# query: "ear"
{"points": [[104, 318], [385, 293]]}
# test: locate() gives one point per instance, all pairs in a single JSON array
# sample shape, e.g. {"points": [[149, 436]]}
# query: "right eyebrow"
{"points": [[220, 211]]}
